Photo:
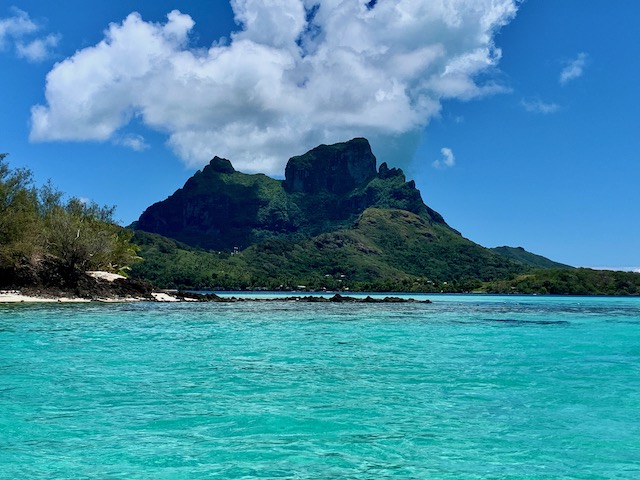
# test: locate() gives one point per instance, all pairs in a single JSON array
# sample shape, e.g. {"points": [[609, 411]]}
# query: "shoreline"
{"points": [[16, 296]]}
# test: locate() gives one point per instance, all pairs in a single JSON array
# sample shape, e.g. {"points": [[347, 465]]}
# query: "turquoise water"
{"points": [[466, 387]]}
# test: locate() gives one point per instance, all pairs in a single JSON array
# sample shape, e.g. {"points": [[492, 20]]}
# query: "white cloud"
{"points": [[133, 141], [16, 26], [39, 49], [18, 30], [538, 106], [294, 76], [574, 69], [448, 160]]}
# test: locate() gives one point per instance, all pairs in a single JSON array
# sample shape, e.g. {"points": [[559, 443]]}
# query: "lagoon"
{"points": [[465, 387]]}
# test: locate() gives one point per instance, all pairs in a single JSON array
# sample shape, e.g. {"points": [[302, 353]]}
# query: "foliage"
{"points": [[579, 281], [384, 250], [37, 223], [355, 260], [84, 235], [19, 216], [521, 255], [170, 264]]}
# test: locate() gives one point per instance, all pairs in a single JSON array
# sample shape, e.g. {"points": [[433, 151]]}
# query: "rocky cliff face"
{"points": [[336, 169], [324, 190], [218, 208]]}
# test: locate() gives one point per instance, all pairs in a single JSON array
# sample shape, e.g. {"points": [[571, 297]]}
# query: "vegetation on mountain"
{"points": [[41, 230], [521, 255], [349, 260]]}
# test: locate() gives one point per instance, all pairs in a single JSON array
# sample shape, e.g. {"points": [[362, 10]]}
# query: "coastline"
{"points": [[104, 287], [91, 286], [16, 296]]}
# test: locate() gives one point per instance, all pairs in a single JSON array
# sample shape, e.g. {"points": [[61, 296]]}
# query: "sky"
{"points": [[518, 120]]}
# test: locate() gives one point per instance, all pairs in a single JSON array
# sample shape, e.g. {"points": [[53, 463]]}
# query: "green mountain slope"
{"points": [[383, 245], [521, 255], [219, 208], [384, 250]]}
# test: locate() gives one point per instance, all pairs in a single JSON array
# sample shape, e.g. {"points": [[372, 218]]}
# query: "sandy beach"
{"points": [[17, 296], [14, 296]]}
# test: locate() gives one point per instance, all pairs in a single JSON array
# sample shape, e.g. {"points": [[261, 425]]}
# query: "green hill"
{"points": [[521, 255], [577, 281]]}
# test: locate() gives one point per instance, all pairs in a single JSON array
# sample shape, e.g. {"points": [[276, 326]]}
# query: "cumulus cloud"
{"points": [[538, 106], [573, 69], [295, 74], [448, 160], [18, 30]]}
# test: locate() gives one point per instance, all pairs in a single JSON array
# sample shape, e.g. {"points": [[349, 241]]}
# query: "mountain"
{"points": [[334, 221], [521, 255], [324, 190]]}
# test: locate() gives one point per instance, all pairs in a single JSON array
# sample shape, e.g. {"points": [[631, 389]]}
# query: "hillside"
{"points": [[335, 221], [519, 254]]}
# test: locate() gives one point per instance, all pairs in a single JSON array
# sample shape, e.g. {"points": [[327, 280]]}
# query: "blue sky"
{"points": [[519, 121]]}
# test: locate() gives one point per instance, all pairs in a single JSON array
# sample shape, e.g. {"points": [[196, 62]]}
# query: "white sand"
{"points": [[12, 296], [164, 297]]}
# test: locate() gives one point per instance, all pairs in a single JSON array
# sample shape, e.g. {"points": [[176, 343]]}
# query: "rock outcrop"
{"points": [[336, 169]]}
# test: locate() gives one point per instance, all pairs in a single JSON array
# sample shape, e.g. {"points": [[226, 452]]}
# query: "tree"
{"points": [[84, 236], [37, 222], [19, 219]]}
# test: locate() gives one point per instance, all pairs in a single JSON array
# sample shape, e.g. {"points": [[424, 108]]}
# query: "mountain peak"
{"points": [[220, 165], [337, 168], [325, 190], [385, 172]]}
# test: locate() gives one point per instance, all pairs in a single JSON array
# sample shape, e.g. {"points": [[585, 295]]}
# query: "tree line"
{"points": [[38, 223]]}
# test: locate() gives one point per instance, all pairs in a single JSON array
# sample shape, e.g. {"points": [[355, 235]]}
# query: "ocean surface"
{"points": [[465, 387]]}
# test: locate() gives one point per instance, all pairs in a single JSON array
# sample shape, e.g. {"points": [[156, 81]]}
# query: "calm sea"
{"points": [[466, 387]]}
